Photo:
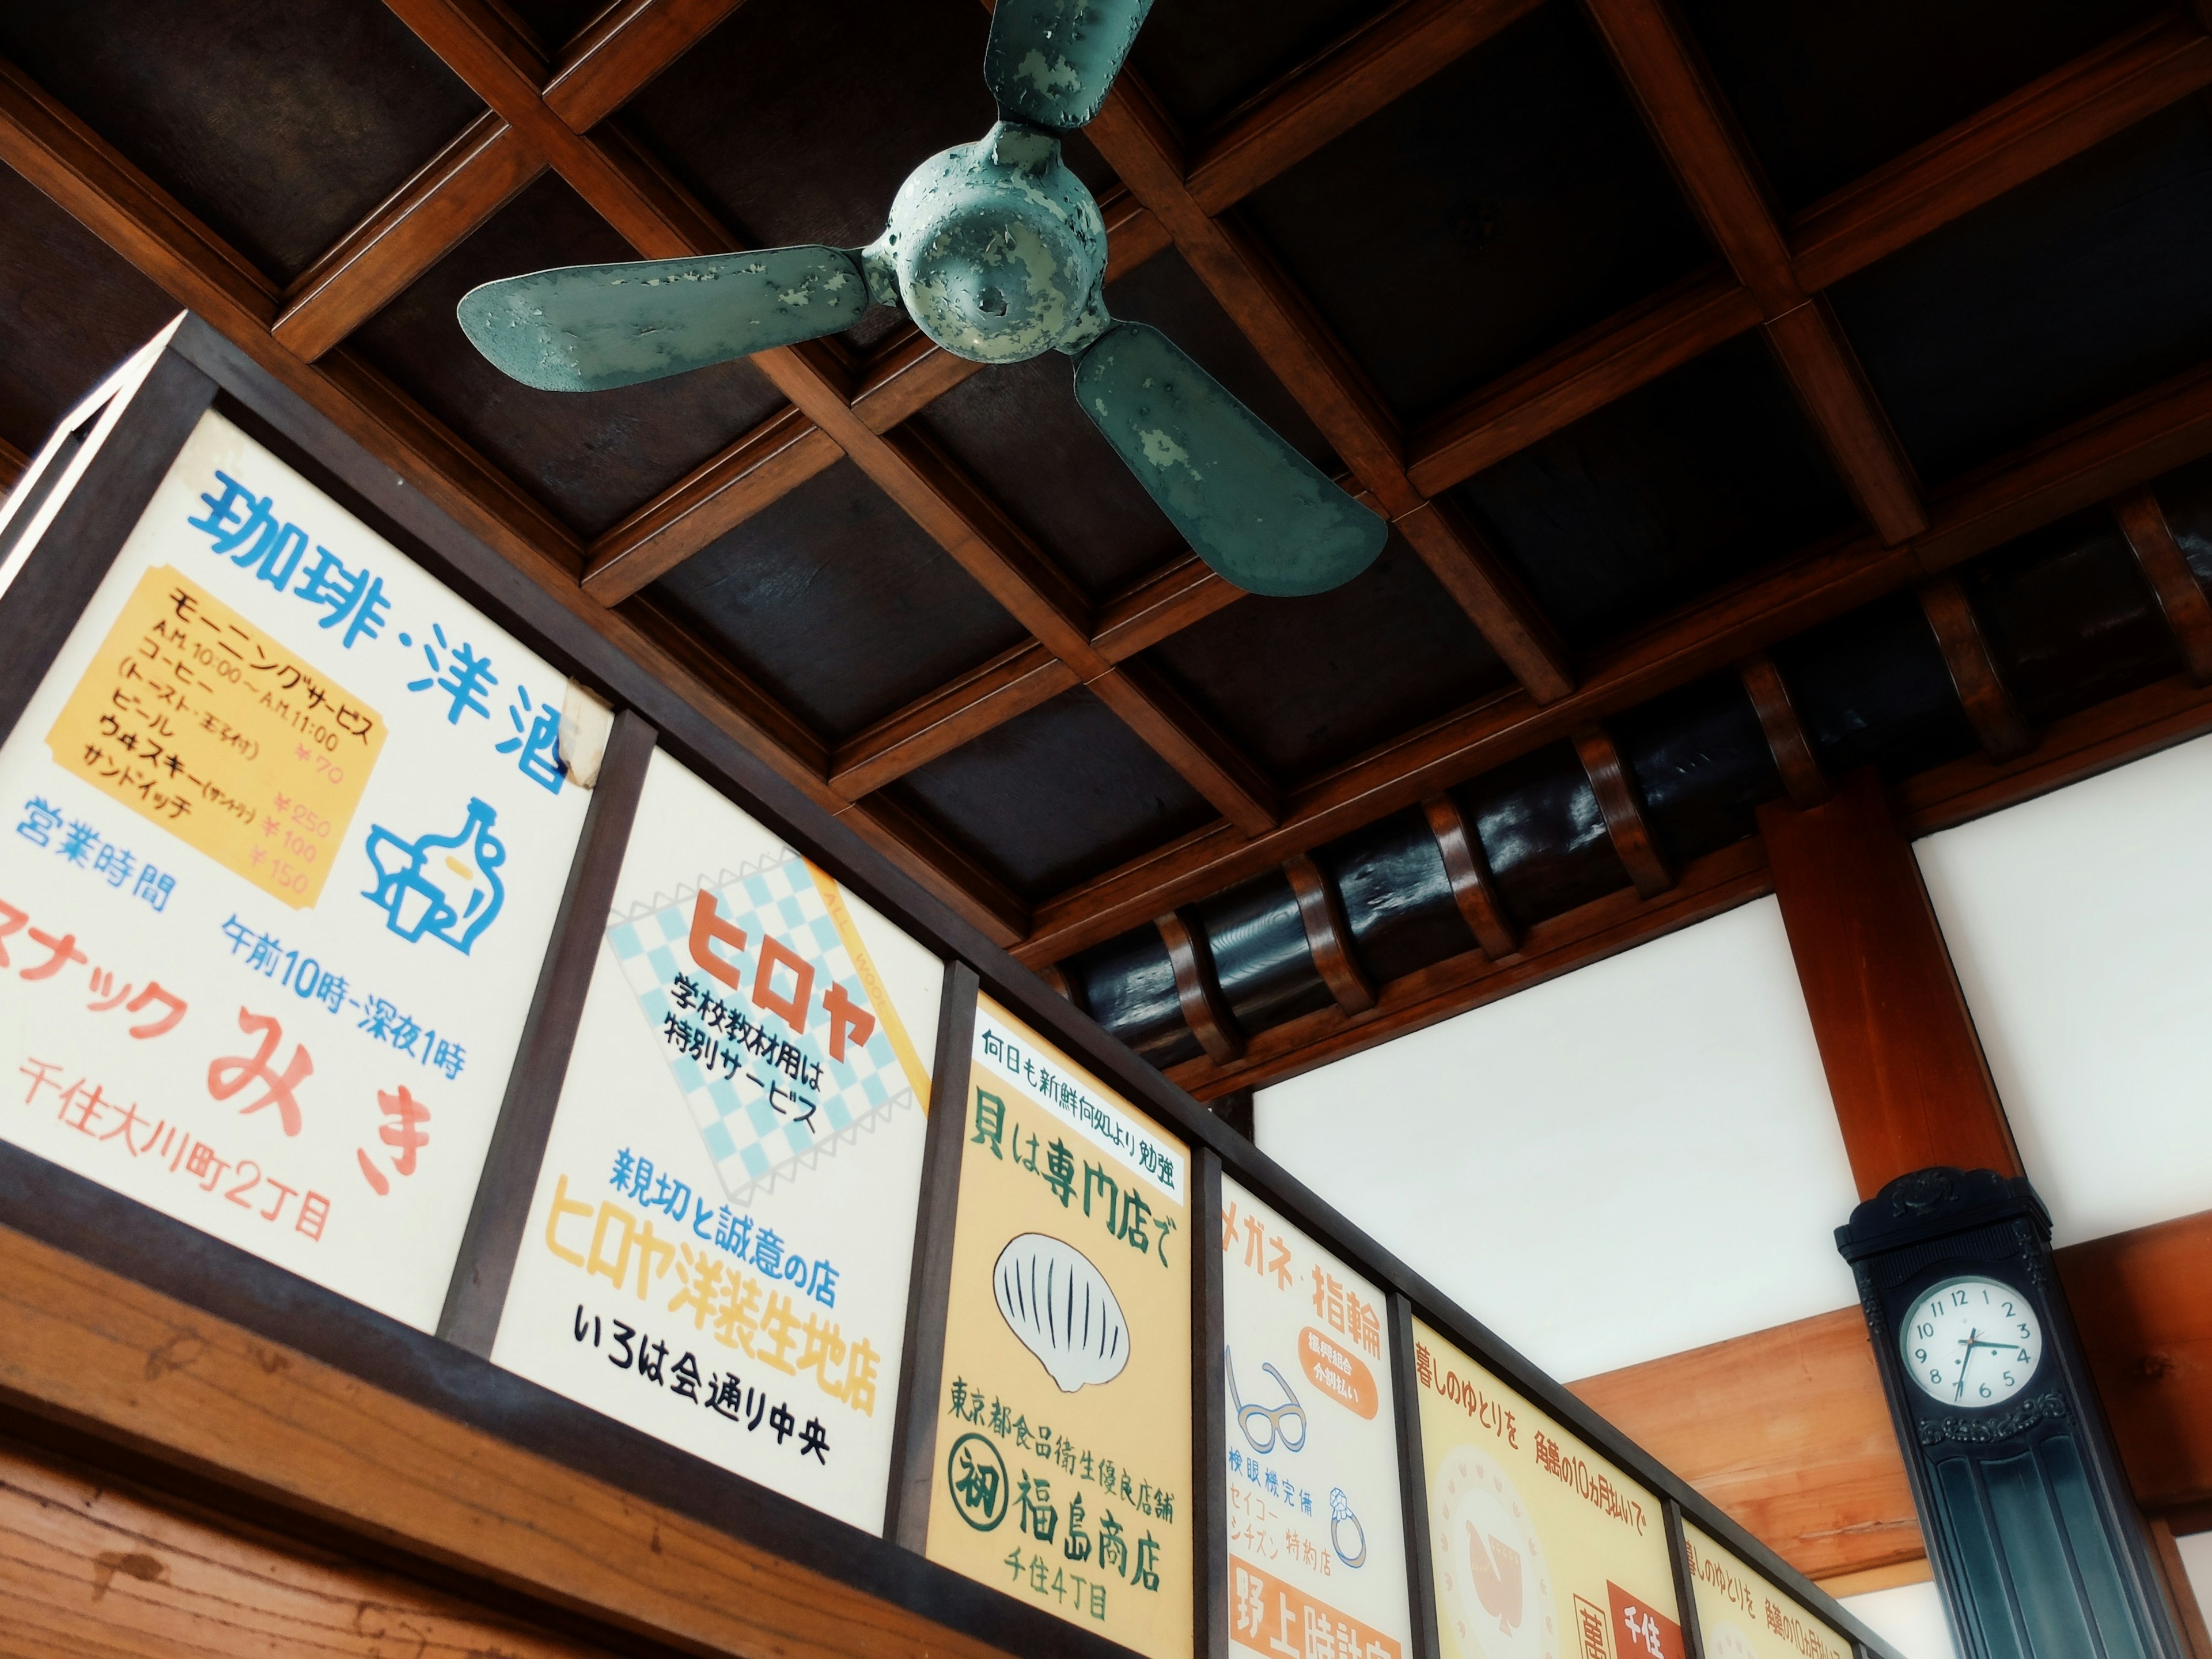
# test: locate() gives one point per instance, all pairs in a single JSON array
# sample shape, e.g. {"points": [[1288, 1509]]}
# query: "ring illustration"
{"points": [[1340, 1511], [1275, 1416]]}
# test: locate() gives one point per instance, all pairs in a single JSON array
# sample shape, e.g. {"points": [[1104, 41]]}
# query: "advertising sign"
{"points": [[286, 828], [1543, 1549], [1316, 1533], [1064, 1439], [1742, 1615], [720, 1247]]}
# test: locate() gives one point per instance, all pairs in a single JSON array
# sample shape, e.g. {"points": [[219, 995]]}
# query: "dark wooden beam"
{"points": [[1495, 599], [2074, 747], [767, 463], [2081, 104], [1015, 681], [1374, 66], [2143, 1302], [1204, 1009], [12, 462], [2114, 449], [1625, 822], [1329, 934], [1473, 890], [1579, 377], [949, 870], [1690, 119], [1982, 691], [622, 49], [463, 185], [1904, 1067], [1618, 921], [1153, 607], [1802, 780], [2180, 596]]}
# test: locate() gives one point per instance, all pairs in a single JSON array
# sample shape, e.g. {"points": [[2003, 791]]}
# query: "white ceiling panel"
{"points": [[2079, 923], [1633, 1159]]}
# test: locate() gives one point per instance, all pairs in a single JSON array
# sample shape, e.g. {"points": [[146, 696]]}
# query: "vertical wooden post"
{"points": [[1209, 1414], [476, 1296], [1412, 1480], [1910, 1086], [922, 1377]]}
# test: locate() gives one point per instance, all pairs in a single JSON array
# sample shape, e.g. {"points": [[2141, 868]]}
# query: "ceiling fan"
{"points": [[998, 252]]}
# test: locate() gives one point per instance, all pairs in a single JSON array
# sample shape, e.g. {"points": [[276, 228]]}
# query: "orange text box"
{"points": [[201, 722]]}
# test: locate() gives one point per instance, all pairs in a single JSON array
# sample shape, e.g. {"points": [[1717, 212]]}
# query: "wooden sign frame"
{"points": [[132, 426]]}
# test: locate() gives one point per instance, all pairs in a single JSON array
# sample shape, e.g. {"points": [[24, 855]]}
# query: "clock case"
{"points": [[2030, 1524]]}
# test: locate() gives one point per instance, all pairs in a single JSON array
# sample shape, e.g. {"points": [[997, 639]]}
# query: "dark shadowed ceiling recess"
{"points": [[1757, 389]]}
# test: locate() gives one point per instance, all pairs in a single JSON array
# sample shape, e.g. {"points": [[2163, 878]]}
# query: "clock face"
{"points": [[1494, 1583], [1971, 1342]]}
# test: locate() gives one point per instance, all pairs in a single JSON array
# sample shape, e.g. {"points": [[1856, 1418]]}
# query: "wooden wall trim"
{"points": [[89, 1566], [98, 1353], [1787, 1429]]}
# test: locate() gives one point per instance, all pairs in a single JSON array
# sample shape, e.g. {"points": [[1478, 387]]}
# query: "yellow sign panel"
{"points": [[1064, 1458], [1543, 1549], [207, 726], [1742, 1615]]}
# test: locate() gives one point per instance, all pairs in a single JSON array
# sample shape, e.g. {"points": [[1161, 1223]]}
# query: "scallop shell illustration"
{"points": [[1053, 1298]]}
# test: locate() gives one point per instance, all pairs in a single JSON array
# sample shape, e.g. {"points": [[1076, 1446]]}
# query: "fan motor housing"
{"points": [[995, 249]]}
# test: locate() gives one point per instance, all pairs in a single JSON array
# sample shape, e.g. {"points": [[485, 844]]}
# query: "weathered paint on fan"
{"points": [[1250, 505], [589, 328], [995, 249], [1052, 61]]}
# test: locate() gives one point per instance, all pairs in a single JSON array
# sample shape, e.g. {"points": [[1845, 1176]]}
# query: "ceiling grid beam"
{"points": [[1696, 133]]}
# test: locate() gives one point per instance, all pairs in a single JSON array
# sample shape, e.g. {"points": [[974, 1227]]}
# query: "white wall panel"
{"points": [[1909, 1618], [1636, 1158], [2081, 926]]}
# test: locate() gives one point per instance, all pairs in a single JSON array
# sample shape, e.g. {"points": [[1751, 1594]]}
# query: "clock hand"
{"points": [[1971, 1344]]}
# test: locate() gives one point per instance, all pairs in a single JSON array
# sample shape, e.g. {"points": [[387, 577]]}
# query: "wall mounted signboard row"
{"points": [[342, 923]]}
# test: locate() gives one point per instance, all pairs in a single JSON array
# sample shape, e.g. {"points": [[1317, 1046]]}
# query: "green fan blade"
{"points": [[589, 328], [1249, 504], [1051, 61]]}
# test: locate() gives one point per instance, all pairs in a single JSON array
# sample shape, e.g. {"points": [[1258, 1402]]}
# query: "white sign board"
{"points": [[719, 1250], [1316, 1531], [282, 835]]}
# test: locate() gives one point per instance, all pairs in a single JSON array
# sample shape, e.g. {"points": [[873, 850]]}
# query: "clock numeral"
{"points": [[2007, 1308], [1935, 1375]]}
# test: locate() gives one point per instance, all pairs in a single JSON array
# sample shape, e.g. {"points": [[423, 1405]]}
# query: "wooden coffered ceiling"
{"points": [[1658, 334]]}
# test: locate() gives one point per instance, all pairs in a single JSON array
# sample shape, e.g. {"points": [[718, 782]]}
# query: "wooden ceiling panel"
{"points": [[1166, 292], [1702, 476], [1202, 58], [1827, 93], [1543, 833], [797, 122], [2073, 290], [79, 310], [591, 457], [1508, 203], [2070, 619], [1055, 796], [1701, 764], [1304, 684], [1871, 687], [1018, 430], [838, 603], [281, 122]]}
